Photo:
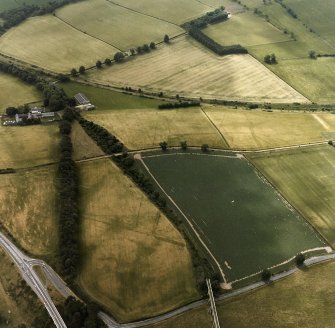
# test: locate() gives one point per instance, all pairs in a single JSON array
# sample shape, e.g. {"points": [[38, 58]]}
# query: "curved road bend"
{"points": [[32, 279]]}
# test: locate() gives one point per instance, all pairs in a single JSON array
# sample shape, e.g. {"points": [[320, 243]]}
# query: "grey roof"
{"points": [[81, 99]]}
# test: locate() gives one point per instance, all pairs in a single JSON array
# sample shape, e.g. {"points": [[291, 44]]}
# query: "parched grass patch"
{"points": [[28, 209], [14, 92], [256, 129], [116, 25], [186, 68], [146, 128], [136, 263], [306, 178], [246, 29], [83, 145], [304, 299], [109, 99], [241, 218], [24, 146], [49, 43]]}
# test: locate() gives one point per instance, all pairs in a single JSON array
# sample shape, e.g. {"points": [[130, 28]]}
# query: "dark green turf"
{"points": [[241, 218]]}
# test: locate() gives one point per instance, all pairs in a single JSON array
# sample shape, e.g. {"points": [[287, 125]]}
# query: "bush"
{"points": [[300, 259], [266, 275]]}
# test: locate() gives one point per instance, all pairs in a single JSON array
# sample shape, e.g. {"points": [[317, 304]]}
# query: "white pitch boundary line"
{"points": [[188, 221]]}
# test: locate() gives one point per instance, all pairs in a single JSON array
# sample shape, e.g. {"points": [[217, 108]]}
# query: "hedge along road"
{"points": [[244, 222]]}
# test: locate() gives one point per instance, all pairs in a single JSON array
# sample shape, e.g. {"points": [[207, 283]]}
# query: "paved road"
{"points": [[30, 276]]}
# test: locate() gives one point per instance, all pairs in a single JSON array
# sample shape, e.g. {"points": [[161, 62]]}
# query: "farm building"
{"points": [[83, 102]]}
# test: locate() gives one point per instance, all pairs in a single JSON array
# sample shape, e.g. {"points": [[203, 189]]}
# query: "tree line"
{"points": [[106, 141], [69, 245], [13, 17], [182, 104], [214, 46], [54, 97]]}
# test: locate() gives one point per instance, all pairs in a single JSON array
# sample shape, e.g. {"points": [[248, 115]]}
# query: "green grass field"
{"points": [[49, 43], [135, 261], [304, 299], [246, 29], [25, 146], [146, 128], [116, 25], [108, 99], [305, 177], [239, 216], [186, 68], [256, 129], [28, 209], [14, 92]]}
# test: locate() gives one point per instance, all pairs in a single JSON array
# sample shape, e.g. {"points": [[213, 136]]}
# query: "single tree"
{"points": [[163, 145], [266, 275], [204, 148], [118, 57], [166, 38], [273, 59], [146, 48], [312, 54], [300, 259], [82, 69], [132, 51], [108, 62], [152, 45], [74, 72], [183, 145], [98, 64]]}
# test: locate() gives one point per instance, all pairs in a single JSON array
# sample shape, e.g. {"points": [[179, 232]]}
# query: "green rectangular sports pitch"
{"points": [[243, 221]]}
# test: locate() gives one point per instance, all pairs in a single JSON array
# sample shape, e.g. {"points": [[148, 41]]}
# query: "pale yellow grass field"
{"points": [[14, 92], [28, 209], [83, 145], [304, 299], [136, 263], [146, 128], [184, 67], [49, 43], [116, 25], [28, 145], [256, 129], [175, 11]]}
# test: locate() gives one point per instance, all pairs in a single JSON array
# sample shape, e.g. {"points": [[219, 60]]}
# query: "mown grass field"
{"points": [[306, 178], [256, 129], [184, 67], [28, 209], [108, 99], [116, 25], [240, 217], [28, 145], [305, 299], [237, 30], [14, 92], [174, 11], [49, 43], [135, 263], [312, 78], [146, 128]]}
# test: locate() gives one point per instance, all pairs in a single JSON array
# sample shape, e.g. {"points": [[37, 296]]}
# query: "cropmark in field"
{"points": [[244, 222], [186, 68]]}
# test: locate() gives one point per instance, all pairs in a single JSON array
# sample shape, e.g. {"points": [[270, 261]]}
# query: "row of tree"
{"points": [[54, 96], [126, 162], [181, 104], [69, 246], [214, 46], [212, 17], [17, 15]]}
